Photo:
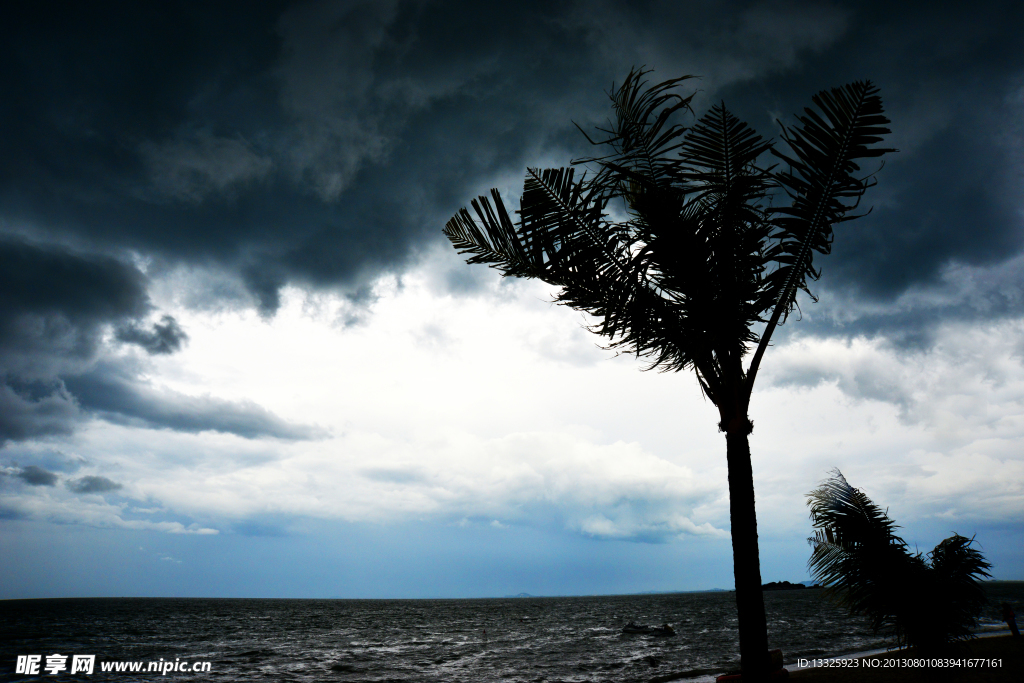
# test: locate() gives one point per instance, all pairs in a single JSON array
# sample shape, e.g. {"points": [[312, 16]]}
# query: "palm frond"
{"points": [[562, 224], [959, 568], [493, 241], [719, 154], [682, 282], [848, 514], [821, 181], [642, 137], [720, 157], [822, 188]]}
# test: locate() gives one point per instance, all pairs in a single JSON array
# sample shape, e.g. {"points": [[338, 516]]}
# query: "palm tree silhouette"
{"points": [[702, 258], [925, 601]]}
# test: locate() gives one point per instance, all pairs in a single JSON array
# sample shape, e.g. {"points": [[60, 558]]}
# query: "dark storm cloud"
{"points": [[322, 142], [326, 143], [53, 297], [165, 337], [953, 84], [24, 417], [54, 304], [963, 294], [37, 476], [113, 391], [93, 484], [11, 514], [54, 307]]}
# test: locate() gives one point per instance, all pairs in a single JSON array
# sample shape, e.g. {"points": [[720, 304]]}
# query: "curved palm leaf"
{"points": [[959, 567], [823, 189], [494, 241], [640, 140], [683, 282], [821, 180], [720, 155]]}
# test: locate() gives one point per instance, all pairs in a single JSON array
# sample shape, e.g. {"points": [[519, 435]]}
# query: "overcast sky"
{"points": [[239, 358]]}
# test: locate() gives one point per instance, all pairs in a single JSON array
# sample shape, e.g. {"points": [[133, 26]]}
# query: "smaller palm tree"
{"points": [[924, 601]]}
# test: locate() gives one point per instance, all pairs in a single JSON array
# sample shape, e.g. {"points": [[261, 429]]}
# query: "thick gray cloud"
{"points": [[322, 142], [325, 143], [54, 301], [55, 305], [113, 391], [165, 337], [93, 484], [37, 476], [953, 84], [24, 416]]}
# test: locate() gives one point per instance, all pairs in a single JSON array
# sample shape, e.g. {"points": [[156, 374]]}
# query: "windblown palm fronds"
{"points": [[925, 601], [701, 260], [703, 257]]}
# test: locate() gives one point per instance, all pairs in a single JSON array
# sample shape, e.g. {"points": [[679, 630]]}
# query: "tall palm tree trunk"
{"points": [[753, 627]]}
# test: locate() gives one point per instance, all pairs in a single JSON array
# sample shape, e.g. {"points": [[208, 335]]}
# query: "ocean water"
{"points": [[541, 640]]}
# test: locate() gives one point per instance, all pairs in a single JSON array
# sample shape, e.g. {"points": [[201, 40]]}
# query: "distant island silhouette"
{"points": [[703, 590], [786, 586]]}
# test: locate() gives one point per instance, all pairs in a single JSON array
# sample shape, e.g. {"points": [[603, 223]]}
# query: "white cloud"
{"points": [[960, 292], [493, 408], [932, 433], [492, 419], [644, 529], [57, 506], [971, 378]]}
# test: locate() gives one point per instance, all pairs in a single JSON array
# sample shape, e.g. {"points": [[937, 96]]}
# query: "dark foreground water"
{"points": [[541, 640]]}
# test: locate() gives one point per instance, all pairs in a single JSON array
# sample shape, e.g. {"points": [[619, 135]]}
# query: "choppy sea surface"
{"points": [[539, 640]]}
